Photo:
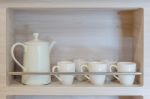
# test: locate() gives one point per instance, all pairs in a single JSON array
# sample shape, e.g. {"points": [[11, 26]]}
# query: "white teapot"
{"points": [[36, 59]]}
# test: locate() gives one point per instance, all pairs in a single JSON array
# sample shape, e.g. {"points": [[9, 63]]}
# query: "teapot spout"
{"points": [[51, 45]]}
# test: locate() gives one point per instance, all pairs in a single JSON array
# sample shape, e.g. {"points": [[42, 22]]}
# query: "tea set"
{"points": [[36, 59]]}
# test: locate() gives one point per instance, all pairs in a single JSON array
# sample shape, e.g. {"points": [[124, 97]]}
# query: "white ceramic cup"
{"points": [[78, 63], [65, 66], [125, 67], [109, 63], [96, 67]]}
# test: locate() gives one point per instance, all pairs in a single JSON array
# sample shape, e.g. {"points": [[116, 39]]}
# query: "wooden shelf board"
{"points": [[68, 5], [83, 88], [75, 84]]}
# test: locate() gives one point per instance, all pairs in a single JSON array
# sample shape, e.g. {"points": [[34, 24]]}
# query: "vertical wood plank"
{"points": [[146, 53], [3, 47], [9, 42], [146, 49], [138, 33], [3, 96]]}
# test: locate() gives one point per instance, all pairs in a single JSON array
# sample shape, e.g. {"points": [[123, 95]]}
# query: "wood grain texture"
{"points": [[97, 4], [65, 97], [146, 51], [138, 34], [4, 96], [62, 1], [131, 97], [77, 4], [127, 22], [76, 97], [3, 15], [10, 39]]}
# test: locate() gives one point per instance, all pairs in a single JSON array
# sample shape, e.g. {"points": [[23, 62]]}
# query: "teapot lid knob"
{"points": [[36, 35]]}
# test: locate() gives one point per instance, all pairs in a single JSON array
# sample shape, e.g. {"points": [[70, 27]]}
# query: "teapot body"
{"points": [[36, 59]]}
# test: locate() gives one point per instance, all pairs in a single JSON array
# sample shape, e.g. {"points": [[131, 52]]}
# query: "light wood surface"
{"points": [[10, 40], [76, 83], [76, 97], [144, 91], [66, 97], [139, 40], [79, 4], [3, 15], [131, 97]]}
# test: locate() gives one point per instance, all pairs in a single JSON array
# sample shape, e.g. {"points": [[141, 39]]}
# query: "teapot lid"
{"points": [[36, 40]]}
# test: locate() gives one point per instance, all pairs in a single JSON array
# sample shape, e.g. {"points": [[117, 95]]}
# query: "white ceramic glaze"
{"points": [[109, 63], [125, 67], [36, 59], [78, 63], [96, 67], [65, 66]]}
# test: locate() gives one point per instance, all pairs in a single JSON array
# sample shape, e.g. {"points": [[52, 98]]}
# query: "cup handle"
{"points": [[53, 70], [85, 66], [114, 66]]}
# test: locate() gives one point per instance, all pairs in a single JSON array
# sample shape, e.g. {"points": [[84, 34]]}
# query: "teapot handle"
{"points": [[13, 56]]}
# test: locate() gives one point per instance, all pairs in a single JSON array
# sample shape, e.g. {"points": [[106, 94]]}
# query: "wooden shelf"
{"points": [[75, 84], [74, 4], [115, 17], [78, 88]]}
